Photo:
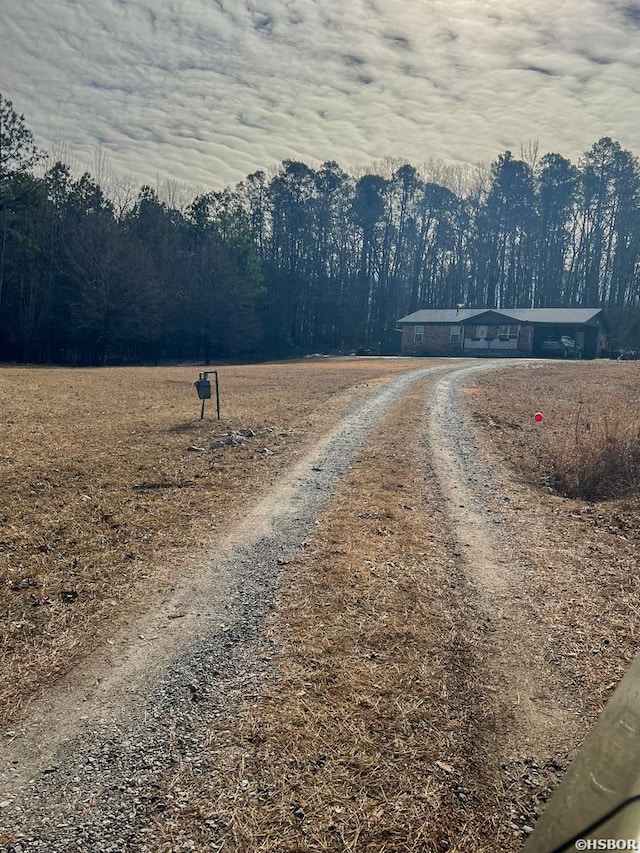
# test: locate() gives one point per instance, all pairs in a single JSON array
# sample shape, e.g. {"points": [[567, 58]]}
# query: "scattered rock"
{"points": [[236, 438], [216, 444], [195, 449]]}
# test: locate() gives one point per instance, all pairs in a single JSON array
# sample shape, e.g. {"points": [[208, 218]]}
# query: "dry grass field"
{"points": [[585, 405], [101, 497], [586, 552], [383, 728], [379, 725]]}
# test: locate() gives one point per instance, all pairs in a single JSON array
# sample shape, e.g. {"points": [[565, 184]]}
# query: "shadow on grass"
{"points": [[194, 426]]}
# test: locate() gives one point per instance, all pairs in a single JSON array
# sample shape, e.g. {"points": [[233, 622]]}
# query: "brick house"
{"points": [[500, 332]]}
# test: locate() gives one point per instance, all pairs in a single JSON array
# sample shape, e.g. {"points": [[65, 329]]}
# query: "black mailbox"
{"points": [[203, 387]]}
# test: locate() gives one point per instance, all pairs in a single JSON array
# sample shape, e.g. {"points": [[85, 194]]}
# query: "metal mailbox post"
{"points": [[203, 387]]}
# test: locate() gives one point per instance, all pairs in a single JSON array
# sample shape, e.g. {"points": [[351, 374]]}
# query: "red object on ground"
{"points": [[538, 417]]}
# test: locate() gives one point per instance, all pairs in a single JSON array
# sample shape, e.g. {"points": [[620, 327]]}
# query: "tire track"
{"points": [[476, 495]]}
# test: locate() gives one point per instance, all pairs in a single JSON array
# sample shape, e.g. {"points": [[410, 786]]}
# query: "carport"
{"points": [[585, 336], [586, 326]]}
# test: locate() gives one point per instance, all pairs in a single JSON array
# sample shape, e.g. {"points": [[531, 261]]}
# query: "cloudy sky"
{"points": [[208, 91]]}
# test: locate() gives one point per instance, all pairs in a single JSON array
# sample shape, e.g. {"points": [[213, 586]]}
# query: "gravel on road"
{"points": [[79, 773]]}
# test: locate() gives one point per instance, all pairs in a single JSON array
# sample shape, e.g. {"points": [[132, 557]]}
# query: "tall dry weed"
{"points": [[600, 458]]}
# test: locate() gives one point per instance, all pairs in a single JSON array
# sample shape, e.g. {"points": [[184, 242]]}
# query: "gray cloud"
{"points": [[208, 91], [630, 13]]}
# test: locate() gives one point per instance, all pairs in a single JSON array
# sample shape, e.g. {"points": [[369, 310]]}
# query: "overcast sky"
{"points": [[208, 91]]}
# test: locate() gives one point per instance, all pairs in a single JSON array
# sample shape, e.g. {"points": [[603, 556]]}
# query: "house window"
{"points": [[455, 335], [418, 334], [481, 332], [506, 333]]}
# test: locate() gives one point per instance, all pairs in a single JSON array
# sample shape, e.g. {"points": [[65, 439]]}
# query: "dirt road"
{"points": [[89, 768]]}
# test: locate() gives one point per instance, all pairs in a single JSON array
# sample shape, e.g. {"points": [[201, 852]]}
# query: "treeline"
{"points": [[305, 259], [83, 281]]}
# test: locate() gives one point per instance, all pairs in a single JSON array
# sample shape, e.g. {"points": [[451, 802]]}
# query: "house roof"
{"points": [[559, 316]]}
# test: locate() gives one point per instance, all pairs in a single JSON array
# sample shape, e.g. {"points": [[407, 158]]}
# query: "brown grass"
{"points": [[583, 554], [588, 407], [601, 459], [100, 494], [371, 733], [382, 726]]}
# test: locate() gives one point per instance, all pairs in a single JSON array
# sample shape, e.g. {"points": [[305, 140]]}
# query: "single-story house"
{"points": [[501, 332]]}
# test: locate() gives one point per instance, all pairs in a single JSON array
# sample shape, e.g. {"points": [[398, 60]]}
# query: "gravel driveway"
{"points": [[79, 774]]}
